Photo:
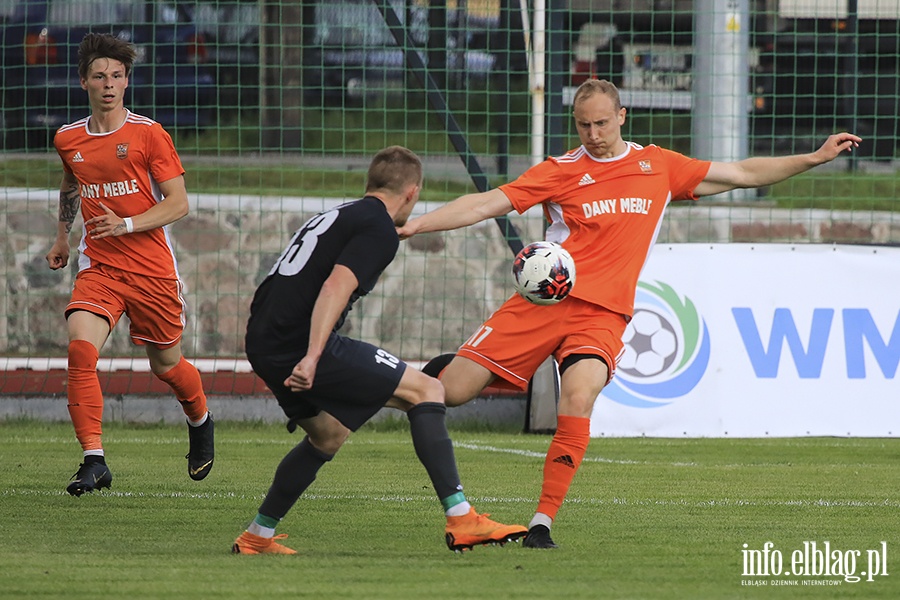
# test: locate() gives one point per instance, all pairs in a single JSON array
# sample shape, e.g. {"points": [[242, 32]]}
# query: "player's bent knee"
{"points": [[576, 405], [325, 432], [82, 355], [329, 441], [434, 392], [417, 388], [430, 390], [163, 360]]}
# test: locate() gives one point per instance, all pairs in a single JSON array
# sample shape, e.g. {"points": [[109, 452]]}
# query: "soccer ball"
{"points": [[543, 273], [650, 345]]}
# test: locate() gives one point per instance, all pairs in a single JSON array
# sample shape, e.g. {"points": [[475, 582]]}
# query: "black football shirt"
{"points": [[359, 235]]}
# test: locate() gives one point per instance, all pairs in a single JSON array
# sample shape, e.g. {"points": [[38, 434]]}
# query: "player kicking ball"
{"points": [[330, 385], [630, 185]]}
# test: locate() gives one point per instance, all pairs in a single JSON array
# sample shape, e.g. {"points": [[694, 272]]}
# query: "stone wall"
{"points": [[439, 289]]}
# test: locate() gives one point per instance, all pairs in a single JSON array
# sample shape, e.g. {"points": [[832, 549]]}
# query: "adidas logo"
{"points": [[77, 157], [586, 180], [565, 459]]}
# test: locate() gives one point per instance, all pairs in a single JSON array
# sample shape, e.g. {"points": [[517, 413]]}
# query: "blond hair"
{"points": [[597, 86]]}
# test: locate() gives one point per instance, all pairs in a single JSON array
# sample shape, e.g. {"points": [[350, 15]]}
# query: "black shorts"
{"points": [[353, 381]]}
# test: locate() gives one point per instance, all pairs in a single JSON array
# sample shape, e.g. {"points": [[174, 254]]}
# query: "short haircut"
{"points": [[392, 169], [597, 86], [104, 45]]}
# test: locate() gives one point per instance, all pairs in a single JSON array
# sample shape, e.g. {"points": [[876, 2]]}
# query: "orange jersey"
{"points": [[122, 169], [607, 212]]}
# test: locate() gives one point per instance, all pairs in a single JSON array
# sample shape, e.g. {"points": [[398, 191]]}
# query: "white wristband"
{"points": [[129, 225]]}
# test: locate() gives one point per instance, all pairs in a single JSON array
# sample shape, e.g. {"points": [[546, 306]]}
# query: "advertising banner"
{"points": [[756, 340]]}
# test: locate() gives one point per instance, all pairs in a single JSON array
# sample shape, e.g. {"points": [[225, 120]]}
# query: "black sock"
{"points": [[434, 447], [294, 474], [94, 458]]}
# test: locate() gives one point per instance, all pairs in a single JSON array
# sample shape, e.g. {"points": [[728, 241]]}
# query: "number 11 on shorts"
{"points": [[479, 336]]}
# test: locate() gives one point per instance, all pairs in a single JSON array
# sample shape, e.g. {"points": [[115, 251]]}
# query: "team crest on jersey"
{"points": [[645, 166], [121, 151]]}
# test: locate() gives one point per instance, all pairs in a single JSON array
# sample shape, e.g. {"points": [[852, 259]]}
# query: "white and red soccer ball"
{"points": [[543, 272]]}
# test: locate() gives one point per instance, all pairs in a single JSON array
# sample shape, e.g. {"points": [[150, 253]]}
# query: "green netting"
{"points": [[276, 106]]}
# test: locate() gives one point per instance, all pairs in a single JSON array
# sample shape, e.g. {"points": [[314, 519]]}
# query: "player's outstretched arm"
{"points": [[762, 171], [462, 212]]}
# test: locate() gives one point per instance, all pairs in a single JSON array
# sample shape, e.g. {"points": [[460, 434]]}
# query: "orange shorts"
{"points": [[517, 338], [154, 306]]}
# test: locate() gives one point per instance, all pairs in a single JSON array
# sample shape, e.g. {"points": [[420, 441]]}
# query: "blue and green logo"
{"points": [[666, 349]]}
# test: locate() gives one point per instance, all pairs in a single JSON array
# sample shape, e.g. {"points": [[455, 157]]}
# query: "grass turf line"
{"points": [[645, 517]]}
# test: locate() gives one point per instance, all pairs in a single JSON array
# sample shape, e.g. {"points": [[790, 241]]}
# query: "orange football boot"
{"points": [[248, 543], [462, 533]]}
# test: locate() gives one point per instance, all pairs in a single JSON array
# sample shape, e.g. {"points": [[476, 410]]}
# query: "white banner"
{"points": [[755, 340]]}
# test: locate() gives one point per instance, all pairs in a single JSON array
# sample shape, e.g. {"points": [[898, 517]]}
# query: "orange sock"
{"points": [[184, 379], [563, 459], [85, 397]]}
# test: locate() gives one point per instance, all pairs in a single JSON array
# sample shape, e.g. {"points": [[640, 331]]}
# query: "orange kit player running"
{"points": [[604, 202], [123, 171]]}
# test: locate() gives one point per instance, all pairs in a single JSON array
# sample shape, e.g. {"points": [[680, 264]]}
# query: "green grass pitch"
{"points": [[645, 518]]}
